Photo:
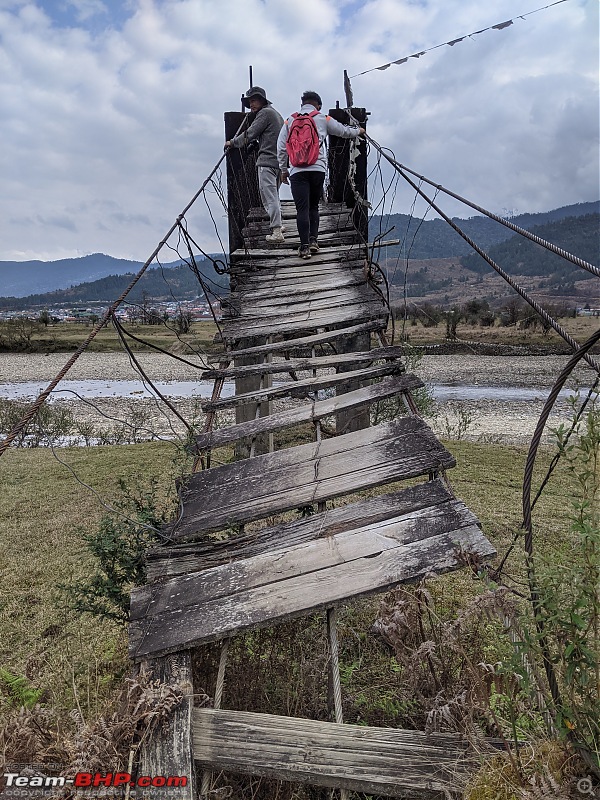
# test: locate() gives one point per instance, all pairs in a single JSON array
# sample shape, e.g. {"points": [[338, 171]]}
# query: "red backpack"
{"points": [[303, 143]]}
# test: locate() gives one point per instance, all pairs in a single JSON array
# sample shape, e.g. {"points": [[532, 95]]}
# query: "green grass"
{"points": [[42, 506]]}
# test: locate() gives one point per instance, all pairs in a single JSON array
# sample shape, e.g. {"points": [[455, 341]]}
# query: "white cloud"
{"points": [[114, 128]]}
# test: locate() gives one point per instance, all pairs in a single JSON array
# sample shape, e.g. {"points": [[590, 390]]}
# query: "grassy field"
{"points": [[43, 508], [67, 336]]}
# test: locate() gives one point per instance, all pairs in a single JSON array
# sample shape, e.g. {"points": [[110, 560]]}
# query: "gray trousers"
{"points": [[268, 186]]}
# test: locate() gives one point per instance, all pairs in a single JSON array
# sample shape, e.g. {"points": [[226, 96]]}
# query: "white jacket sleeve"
{"points": [[282, 156], [343, 131]]}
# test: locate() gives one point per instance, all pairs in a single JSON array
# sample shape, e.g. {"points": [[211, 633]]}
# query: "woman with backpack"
{"points": [[303, 163]]}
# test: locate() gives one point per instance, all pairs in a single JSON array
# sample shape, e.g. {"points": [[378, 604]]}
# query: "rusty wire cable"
{"points": [[533, 303], [580, 262], [43, 396]]}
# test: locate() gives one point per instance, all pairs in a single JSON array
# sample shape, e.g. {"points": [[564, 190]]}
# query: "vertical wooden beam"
{"points": [[247, 412], [169, 752], [340, 191], [242, 183]]}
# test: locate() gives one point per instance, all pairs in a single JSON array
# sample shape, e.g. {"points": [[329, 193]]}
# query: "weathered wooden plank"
{"points": [[299, 364], [247, 308], [287, 256], [344, 579], [308, 412], [233, 494], [380, 761], [167, 561], [291, 561], [298, 342], [288, 211], [331, 223], [300, 388], [275, 277], [234, 329]]}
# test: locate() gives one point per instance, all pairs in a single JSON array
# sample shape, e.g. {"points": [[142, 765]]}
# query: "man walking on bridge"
{"points": [[301, 154], [264, 128]]}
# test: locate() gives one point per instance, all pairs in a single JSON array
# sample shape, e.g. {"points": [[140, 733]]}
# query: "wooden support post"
{"points": [[242, 183], [340, 191], [248, 411], [169, 751]]}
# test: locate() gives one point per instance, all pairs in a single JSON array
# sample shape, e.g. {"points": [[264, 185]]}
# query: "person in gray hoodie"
{"points": [[307, 182], [265, 128]]}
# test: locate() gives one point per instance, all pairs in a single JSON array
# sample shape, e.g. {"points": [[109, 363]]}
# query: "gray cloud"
{"points": [[108, 131]]}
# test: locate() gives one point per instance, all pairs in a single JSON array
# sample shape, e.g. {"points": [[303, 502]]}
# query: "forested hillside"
{"points": [[577, 235], [174, 283], [434, 238]]}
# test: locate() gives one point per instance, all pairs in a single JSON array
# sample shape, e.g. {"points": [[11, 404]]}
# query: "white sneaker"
{"points": [[276, 237]]}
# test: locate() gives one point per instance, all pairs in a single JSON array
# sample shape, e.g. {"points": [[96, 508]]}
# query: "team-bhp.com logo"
{"points": [[88, 780]]}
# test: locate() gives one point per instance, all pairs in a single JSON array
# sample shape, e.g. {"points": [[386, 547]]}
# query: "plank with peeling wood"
{"points": [[251, 489], [309, 411], [282, 564], [234, 329], [300, 342], [301, 388], [380, 761], [299, 364], [168, 561], [266, 590], [247, 307]]}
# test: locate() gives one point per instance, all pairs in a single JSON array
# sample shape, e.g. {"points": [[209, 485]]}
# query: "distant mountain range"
{"points": [[101, 278], [434, 238]]}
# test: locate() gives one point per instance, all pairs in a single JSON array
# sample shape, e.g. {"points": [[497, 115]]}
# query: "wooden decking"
{"points": [[238, 557]]}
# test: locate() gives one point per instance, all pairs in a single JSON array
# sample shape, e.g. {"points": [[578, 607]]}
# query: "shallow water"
{"points": [[92, 389]]}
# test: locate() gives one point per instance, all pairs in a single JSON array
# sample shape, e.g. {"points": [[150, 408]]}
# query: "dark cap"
{"points": [[255, 91]]}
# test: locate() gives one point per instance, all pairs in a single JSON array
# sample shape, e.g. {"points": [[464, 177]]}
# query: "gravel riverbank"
{"points": [[487, 420]]}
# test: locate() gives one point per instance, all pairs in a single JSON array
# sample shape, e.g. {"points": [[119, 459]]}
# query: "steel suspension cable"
{"points": [[543, 314], [542, 242], [43, 396]]}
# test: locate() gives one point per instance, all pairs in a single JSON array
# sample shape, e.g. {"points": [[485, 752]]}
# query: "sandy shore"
{"points": [[487, 420]]}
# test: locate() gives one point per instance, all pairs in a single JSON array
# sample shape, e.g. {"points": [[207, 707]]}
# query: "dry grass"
{"points": [[580, 328], [80, 663], [41, 508]]}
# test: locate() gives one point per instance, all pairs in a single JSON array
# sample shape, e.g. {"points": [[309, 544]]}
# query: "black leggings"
{"points": [[307, 189]]}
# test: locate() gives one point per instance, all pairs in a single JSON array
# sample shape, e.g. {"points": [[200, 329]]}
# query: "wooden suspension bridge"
{"points": [[317, 325]]}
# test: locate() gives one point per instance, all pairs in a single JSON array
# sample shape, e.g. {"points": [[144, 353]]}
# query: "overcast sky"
{"points": [[111, 111]]}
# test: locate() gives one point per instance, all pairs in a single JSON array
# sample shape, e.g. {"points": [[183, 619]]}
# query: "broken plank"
{"points": [[379, 761], [347, 575], [300, 388], [299, 364], [323, 337], [234, 494], [285, 563], [167, 561]]}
